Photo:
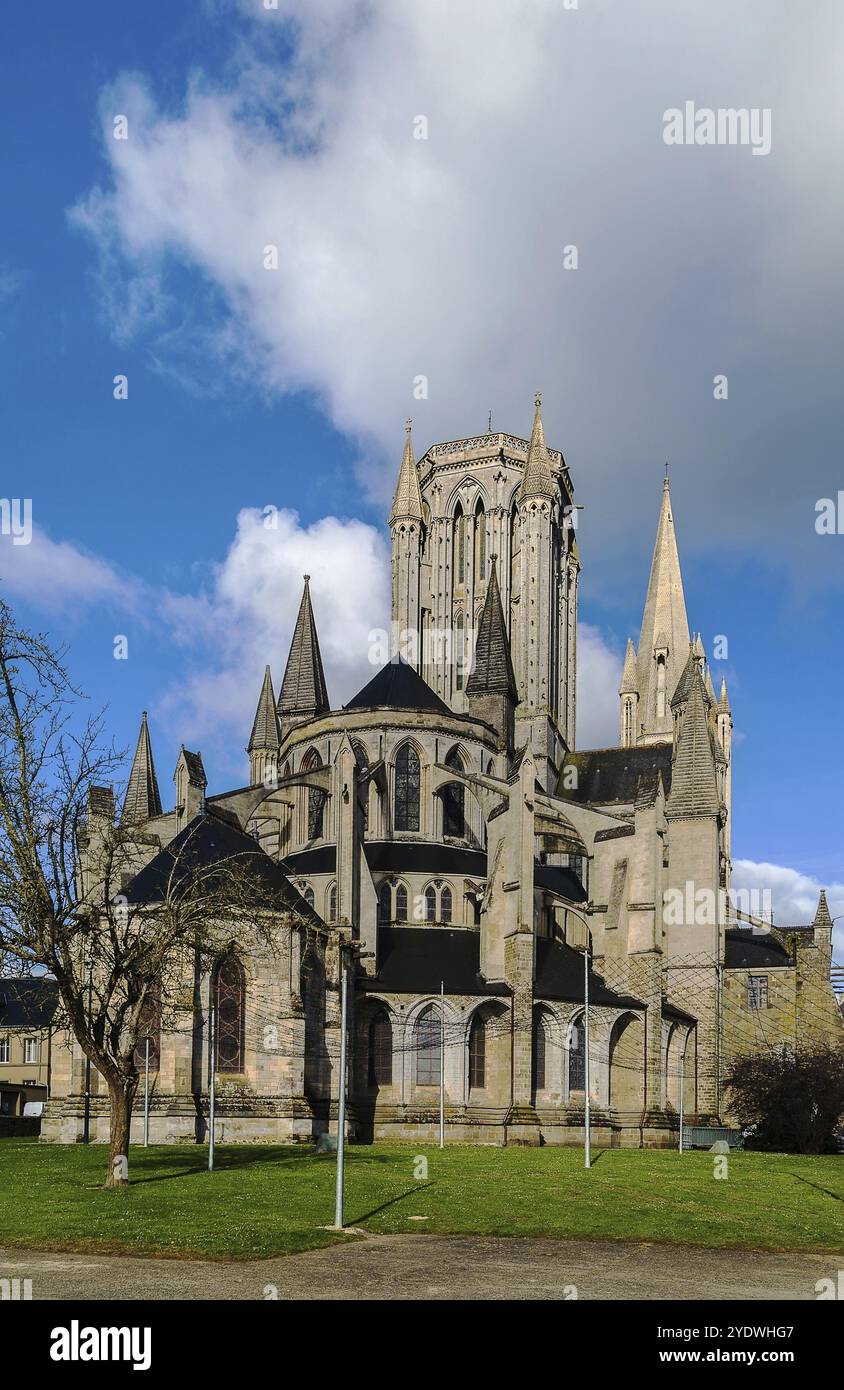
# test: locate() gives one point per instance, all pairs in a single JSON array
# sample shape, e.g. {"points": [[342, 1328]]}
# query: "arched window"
{"points": [[458, 652], [445, 904], [660, 687], [454, 801], [228, 996], [540, 1048], [406, 815], [308, 895], [431, 904], [380, 1070], [385, 903], [577, 1056], [401, 903], [480, 542], [459, 545], [332, 903], [316, 798], [477, 1052], [149, 1027], [428, 1045]]}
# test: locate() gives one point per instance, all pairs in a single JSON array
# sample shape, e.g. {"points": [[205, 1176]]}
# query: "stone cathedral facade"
{"points": [[444, 839]]}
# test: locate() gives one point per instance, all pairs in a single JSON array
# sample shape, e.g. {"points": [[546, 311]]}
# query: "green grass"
{"points": [[271, 1200]]}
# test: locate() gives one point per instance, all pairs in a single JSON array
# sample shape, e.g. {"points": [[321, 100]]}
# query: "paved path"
{"points": [[436, 1267]]}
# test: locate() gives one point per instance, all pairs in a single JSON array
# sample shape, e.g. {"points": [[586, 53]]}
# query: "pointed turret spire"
{"points": [[303, 693], [493, 668], [629, 677], [724, 703], [538, 480], [694, 779], [265, 727], [142, 800], [823, 917], [710, 688], [407, 502], [664, 640]]}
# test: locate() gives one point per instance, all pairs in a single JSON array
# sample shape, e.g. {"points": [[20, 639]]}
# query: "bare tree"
{"points": [[119, 923]]}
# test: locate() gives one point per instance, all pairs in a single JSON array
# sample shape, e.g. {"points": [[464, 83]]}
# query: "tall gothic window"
{"points": [[459, 545], [428, 1047], [445, 904], [385, 902], [308, 895], [660, 687], [459, 652], [332, 903], [401, 903], [431, 904], [477, 1052], [407, 789], [316, 799], [480, 542], [380, 1070], [577, 1057], [454, 800], [540, 1048], [229, 994]]}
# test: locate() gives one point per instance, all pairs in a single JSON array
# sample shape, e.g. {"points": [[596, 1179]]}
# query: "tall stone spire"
{"points": [[142, 800], [664, 639], [822, 916], [493, 668], [407, 502], [264, 734], [303, 694], [629, 693], [629, 678], [538, 480]]}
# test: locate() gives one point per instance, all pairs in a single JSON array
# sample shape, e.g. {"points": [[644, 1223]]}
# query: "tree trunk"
{"points": [[122, 1098]]}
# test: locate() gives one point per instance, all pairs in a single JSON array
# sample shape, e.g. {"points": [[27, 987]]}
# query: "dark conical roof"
{"points": [[694, 783], [265, 727], [303, 688], [493, 668], [142, 800], [397, 686]]}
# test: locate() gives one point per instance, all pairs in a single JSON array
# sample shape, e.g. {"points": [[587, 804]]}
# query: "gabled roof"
{"points": [[209, 848], [195, 767], [303, 689], [142, 800], [265, 724], [559, 975], [407, 502], [493, 668], [397, 686], [28, 1002], [613, 776], [417, 960], [746, 949]]}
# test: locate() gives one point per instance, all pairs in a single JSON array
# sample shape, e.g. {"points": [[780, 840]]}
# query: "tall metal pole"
{"points": [[442, 1065], [86, 1120], [682, 1093], [213, 1098], [587, 1152], [146, 1096], [341, 1103]]}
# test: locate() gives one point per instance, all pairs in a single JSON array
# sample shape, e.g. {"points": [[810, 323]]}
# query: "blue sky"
{"points": [[399, 257]]}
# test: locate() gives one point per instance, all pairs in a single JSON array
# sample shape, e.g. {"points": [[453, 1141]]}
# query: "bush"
{"points": [[793, 1101]]}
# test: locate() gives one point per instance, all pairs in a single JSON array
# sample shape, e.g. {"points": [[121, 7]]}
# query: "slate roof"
{"points": [[559, 975], [493, 668], [608, 776], [265, 725], [749, 950], [415, 960], [303, 688], [28, 1003], [142, 800], [694, 788], [195, 767], [210, 839], [397, 686]]}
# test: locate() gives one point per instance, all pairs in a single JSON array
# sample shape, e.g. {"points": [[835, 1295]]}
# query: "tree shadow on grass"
{"points": [[836, 1196], [411, 1192]]}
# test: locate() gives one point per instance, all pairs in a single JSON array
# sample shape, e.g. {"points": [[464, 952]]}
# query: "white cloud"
{"points": [[246, 617], [58, 575], [598, 679], [443, 257], [794, 895]]}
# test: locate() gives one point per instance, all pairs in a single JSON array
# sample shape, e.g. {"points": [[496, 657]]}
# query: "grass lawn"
{"points": [[273, 1200]]}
